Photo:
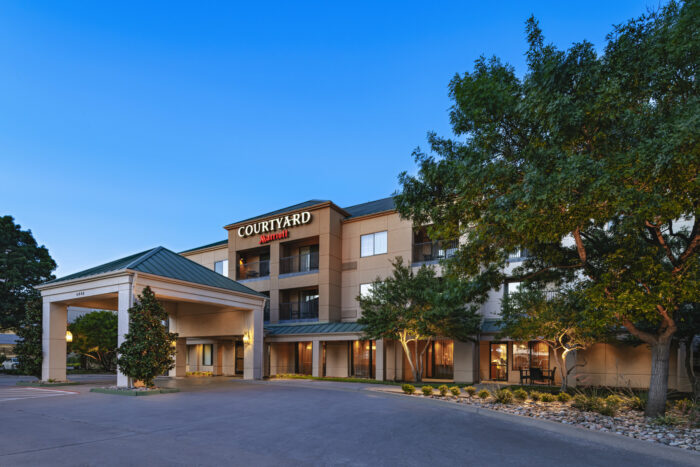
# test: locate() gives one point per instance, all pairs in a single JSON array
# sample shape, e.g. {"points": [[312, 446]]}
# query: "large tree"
{"points": [[147, 350], [23, 264], [413, 308], [95, 338], [590, 161], [29, 349]]}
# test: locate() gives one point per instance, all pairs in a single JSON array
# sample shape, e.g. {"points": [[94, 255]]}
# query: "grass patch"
{"points": [[134, 392], [44, 384]]}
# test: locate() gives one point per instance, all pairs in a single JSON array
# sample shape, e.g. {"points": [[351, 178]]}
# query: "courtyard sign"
{"points": [[279, 223]]}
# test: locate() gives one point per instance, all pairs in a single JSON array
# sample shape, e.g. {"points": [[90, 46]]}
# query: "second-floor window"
{"points": [[373, 244], [221, 267]]}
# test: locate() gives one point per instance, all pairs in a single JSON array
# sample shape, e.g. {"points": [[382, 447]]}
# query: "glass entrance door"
{"points": [[238, 351], [498, 358]]}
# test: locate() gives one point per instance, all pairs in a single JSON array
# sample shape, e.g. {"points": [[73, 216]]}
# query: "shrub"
{"points": [[547, 397], [563, 397], [520, 394], [666, 420], [613, 401], [580, 402], [471, 390], [443, 390], [427, 390], [483, 394], [408, 388], [535, 396], [455, 391], [638, 402], [503, 396], [685, 406]]}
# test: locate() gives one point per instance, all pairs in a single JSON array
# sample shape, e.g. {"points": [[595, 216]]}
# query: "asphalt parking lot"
{"points": [[232, 422]]}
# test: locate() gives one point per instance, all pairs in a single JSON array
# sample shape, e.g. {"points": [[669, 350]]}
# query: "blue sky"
{"points": [[137, 124]]}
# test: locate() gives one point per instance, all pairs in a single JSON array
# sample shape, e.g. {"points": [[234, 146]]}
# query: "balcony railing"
{"points": [[299, 310], [434, 251], [254, 270], [300, 263]]}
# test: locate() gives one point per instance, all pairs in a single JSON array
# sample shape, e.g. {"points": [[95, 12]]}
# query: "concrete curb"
{"points": [[610, 439]]}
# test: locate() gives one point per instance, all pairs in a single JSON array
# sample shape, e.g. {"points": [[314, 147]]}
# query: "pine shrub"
{"points": [[443, 389], [427, 390], [408, 388]]}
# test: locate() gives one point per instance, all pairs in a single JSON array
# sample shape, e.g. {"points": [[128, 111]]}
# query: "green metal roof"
{"points": [[162, 262], [490, 325], [372, 207], [209, 245], [311, 328]]}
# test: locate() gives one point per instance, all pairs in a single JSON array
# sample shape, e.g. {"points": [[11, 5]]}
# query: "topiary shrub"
{"points": [[483, 394], [427, 390], [471, 390], [520, 394], [503, 396], [547, 397], [455, 391], [563, 397], [442, 389], [408, 388], [535, 396]]}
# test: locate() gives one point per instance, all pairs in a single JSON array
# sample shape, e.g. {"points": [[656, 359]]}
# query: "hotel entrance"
{"points": [[498, 358]]}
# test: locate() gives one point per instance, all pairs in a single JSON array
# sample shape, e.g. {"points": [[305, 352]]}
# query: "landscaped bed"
{"points": [[614, 413], [134, 391], [44, 384]]}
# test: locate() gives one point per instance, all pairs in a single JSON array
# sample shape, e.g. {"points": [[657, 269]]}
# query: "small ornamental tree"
{"points": [[29, 347], [147, 350], [410, 307], [554, 319], [95, 338]]}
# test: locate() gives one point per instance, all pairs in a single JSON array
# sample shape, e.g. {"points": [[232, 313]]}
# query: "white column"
{"points": [[53, 341], [180, 357], [379, 363], [316, 358], [126, 300], [253, 350]]}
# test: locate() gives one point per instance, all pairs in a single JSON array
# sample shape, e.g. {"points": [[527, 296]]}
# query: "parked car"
{"points": [[11, 364]]}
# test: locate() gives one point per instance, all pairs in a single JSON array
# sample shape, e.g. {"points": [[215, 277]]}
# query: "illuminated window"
{"points": [[521, 355], [207, 353], [221, 267], [373, 244], [530, 355], [362, 358]]}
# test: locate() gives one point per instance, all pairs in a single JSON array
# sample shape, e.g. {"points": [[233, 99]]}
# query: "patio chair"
{"points": [[536, 376], [525, 376]]}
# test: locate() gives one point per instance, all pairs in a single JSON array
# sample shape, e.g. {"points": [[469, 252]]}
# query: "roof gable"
{"points": [[162, 262]]}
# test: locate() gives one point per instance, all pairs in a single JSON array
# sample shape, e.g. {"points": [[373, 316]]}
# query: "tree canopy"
{"points": [[589, 161], [415, 307], [29, 349], [23, 264]]}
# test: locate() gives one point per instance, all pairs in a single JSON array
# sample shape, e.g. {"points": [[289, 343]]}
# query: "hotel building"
{"points": [[291, 278]]}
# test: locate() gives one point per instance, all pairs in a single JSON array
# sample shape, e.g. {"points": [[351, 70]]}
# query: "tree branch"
{"points": [[656, 232], [580, 247], [693, 244]]}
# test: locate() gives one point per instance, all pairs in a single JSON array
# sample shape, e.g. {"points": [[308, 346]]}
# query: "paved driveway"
{"points": [[228, 422]]}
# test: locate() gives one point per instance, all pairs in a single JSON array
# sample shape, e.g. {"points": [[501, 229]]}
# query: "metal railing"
{"points": [[299, 310], [253, 270], [299, 263], [434, 251]]}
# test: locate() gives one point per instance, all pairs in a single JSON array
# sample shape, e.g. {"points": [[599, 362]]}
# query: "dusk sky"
{"points": [[137, 124]]}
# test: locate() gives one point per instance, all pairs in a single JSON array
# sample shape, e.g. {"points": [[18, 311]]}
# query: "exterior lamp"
{"points": [[246, 338], [69, 336]]}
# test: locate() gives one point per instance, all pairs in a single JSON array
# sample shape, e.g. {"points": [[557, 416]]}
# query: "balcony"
{"points": [[434, 250], [254, 270], [299, 310], [304, 263]]}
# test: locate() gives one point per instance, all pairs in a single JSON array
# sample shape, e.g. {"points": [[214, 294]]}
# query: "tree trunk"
{"points": [[407, 351], [658, 382], [564, 371]]}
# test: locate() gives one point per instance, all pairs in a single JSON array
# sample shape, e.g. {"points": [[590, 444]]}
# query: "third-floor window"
{"points": [[373, 244]]}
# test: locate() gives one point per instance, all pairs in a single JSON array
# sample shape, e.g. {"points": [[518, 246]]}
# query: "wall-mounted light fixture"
{"points": [[69, 336], [246, 338]]}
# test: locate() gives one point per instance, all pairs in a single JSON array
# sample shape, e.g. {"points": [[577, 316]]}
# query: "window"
{"points": [[512, 287], [530, 355], [221, 267], [518, 255], [373, 244], [521, 355], [363, 358], [207, 352], [365, 289]]}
